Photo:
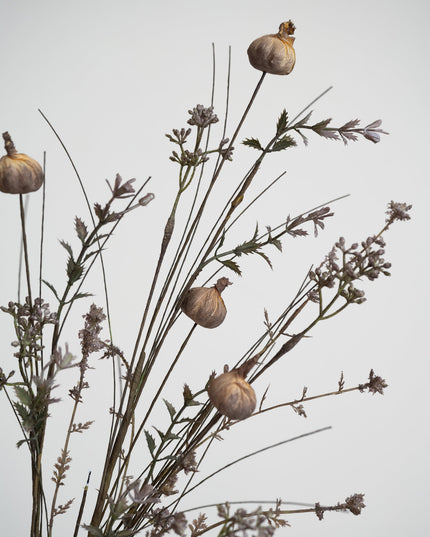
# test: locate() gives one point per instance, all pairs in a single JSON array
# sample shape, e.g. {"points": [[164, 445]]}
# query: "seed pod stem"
{"points": [[246, 367], [286, 30], [221, 284], [9, 145]]}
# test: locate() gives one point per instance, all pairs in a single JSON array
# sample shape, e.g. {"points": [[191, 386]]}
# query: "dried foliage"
{"points": [[171, 456]]}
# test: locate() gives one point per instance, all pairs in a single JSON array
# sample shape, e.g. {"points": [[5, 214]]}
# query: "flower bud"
{"points": [[19, 173], [274, 53], [205, 306], [232, 395]]}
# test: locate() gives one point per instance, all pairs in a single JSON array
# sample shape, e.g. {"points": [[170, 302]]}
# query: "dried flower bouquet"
{"points": [[150, 503]]}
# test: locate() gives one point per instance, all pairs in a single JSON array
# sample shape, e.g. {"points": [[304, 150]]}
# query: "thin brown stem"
{"points": [[25, 246], [65, 449]]}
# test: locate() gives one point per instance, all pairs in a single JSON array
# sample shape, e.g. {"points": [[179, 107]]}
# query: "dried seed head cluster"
{"points": [[346, 265], [19, 174], [376, 384], [398, 211], [354, 504], [202, 116], [29, 321], [89, 335]]}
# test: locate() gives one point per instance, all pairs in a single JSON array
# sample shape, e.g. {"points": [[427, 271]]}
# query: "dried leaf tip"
{"points": [[274, 53]]}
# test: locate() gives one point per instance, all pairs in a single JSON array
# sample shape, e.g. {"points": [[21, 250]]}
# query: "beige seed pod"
{"points": [[274, 53], [231, 395], [19, 173], [205, 306]]}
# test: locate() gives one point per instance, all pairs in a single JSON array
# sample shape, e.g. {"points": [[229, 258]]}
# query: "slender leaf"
{"points": [[74, 271], [161, 435], [23, 395], [303, 121], [150, 441], [81, 229], [277, 243], [264, 256], [52, 289], [253, 142], [304, 138], [77, 296], [232, 265], [170, 408], [67, 247], [282, 122], [283, 143], [350, 124]]}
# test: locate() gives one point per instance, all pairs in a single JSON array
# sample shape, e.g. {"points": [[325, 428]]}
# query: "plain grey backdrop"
{"points": [[113, 78]]}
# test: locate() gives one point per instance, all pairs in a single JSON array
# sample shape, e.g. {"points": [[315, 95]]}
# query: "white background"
{"points": [[113, 78]]}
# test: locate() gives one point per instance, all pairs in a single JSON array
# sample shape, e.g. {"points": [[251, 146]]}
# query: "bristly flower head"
{"points": [[202, 117], [397, 211], [376, 384], [355, 503], [121, 190], [90, 341]]}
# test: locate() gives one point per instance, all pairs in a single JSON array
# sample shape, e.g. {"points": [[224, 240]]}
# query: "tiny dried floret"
{"points": [[376, 384], [355, 503], [398, 211], [202, 117]]}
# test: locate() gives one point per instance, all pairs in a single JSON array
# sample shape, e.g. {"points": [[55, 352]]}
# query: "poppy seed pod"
{"points": [[204, 305], [274, 53], [19, 173], [232, 395]]}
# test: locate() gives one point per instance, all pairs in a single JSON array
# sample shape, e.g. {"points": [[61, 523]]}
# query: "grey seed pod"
{"points": [[274, 53], [205, 306], [19, 173], [232, 395]]}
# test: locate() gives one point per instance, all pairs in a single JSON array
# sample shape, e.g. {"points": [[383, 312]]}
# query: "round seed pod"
{"points": [[19, 173], [205, 306], [231, 395], [274, 53]]}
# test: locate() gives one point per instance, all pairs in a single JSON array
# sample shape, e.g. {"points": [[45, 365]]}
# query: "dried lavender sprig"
{"points": [[90, 343], [347, 132], [238, 522]]}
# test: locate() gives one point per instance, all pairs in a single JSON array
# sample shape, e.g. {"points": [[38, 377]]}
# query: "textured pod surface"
{"points": [[274, 53], [19, 173], [204, 306], [232, 395]]}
